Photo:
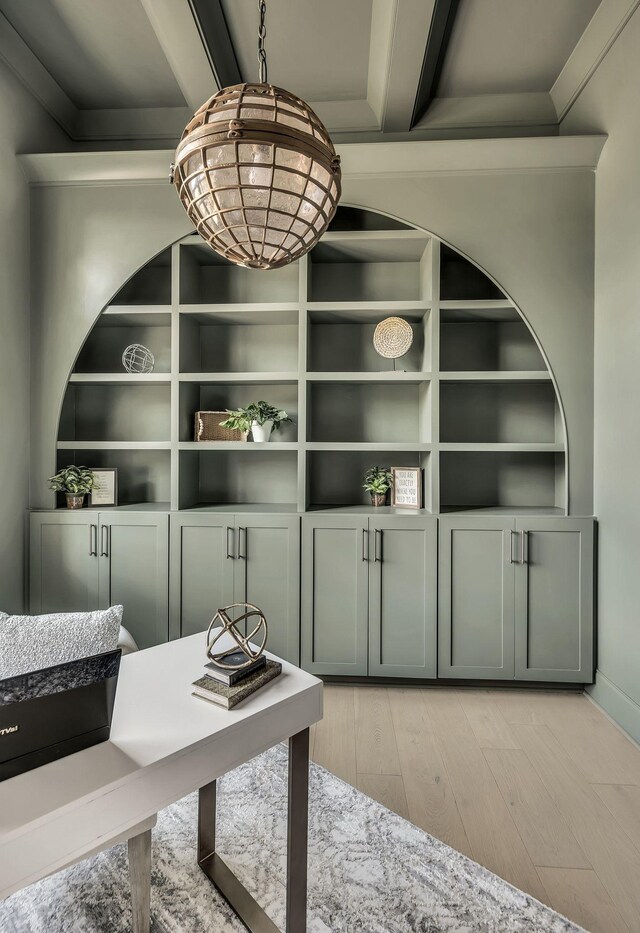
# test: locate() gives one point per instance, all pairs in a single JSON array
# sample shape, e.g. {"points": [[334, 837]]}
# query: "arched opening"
{"points": [[473, 403]]}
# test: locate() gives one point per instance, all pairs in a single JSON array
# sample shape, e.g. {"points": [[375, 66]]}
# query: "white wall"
{"points": [[610, 104], [24, 127]]}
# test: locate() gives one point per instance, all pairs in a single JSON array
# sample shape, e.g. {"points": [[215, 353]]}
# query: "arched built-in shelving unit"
{"points": [[473, 403]]}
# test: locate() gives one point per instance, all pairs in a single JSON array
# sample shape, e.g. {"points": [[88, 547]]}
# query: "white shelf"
{"points": [[496, 376], [386, 376], [114, 445], [290, 378], [238, 445], [386, 447], [498, 448], [122, 378]]}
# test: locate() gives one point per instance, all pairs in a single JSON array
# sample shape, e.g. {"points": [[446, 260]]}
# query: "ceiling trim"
{"points": [[444, 14], [31, 72], [497, 110], [359, 160], [216, 39], [159, 123], [181, 42], [602, 31]]}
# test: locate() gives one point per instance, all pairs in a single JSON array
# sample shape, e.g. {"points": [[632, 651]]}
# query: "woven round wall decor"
{"points": [[393, 337]]}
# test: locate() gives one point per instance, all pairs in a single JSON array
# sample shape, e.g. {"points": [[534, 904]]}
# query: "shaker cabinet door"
{"points": [[335, 561], [476, 598], [402, 596], [63, 561], [554, 600]]}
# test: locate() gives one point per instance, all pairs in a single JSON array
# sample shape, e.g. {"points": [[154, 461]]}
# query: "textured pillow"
{"points": [[29, 643]]}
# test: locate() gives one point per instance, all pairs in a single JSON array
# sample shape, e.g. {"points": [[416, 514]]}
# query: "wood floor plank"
{"points": [[544, 831], [579, 895], [375, 741], [445, 712], [623, 802], [613, 856], [430, 800], [334, 744], [487, 722], [494, 838], [519, 706], [387, 789], [601, 752]]}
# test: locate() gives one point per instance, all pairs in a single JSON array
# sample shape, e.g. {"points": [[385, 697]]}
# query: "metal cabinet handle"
{"points": [[378, 546], [511, 558], [104, 540], [93, 540], [524, 547], [242, 543], [229, 554], [365, 544]]}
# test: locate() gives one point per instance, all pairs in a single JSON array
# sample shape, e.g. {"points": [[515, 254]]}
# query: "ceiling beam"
{"points": [[407, 44], [178, 35], [214, 32], [444, 14]]}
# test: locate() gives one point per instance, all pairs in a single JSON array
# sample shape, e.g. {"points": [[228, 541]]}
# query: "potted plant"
{"points": [[378, 481], [258, 417], [75, 482]]}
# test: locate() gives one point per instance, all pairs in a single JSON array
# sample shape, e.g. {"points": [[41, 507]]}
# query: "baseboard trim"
{"points": [[616, 704]]}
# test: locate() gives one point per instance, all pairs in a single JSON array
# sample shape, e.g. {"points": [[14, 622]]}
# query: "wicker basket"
{"points": [[207, 427]]}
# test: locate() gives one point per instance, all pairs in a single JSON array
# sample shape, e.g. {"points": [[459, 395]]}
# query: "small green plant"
{"points": [[242, 419], [74, 480], [378, 480]]}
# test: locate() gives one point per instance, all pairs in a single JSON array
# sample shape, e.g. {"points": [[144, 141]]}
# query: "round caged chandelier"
{"points": [[257, 173]]}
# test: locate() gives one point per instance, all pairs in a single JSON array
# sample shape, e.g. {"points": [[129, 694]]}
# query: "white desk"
{"points": [[164, 744]]}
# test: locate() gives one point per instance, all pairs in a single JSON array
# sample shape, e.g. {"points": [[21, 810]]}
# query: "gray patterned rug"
{"points": [[369, 870]]}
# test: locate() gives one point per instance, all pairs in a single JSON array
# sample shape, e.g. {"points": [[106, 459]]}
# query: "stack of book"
{"points": [[229, 687]]}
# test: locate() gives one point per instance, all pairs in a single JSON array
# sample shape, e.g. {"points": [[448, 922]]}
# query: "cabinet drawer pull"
{"points": [[104, 540], [242, 543], [229, 549], [378, 546], [93, 540], [365, 544]]}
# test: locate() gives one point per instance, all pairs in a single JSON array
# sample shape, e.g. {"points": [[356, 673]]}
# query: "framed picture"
{"points": [[406, 492], [105, 489]]}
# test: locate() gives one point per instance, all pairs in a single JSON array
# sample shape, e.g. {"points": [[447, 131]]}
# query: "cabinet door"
{"points": [[334, 594], [203, 549], [554, 599], [134, 571], [476, 608], [267, 574], [402, 596], [63, 561]]}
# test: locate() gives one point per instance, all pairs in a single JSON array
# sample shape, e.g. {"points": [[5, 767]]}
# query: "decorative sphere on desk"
{"points": [[229, 621], [138, 359]]}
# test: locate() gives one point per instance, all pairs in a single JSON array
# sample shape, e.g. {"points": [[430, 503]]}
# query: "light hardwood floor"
{"points": [[538, 786]]}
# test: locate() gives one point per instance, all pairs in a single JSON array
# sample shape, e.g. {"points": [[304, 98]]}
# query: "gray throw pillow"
{"points": [[29, 643]]}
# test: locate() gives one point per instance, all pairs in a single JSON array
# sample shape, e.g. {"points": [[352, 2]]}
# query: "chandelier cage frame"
{"points": [[257, 173]]}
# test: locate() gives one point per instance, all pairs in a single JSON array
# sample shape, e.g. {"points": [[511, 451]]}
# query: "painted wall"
{"points": [[25, 128], [609, 103]]}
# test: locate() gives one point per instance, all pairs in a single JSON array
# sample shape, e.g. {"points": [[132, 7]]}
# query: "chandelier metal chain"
{"points": [[262, 32]]}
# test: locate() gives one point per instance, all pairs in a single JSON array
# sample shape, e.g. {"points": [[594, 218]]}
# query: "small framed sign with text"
{"points": [[105, 488], [406, 492]]}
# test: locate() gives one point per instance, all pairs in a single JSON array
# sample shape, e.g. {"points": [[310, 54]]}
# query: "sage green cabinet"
{"points": [[554, 600], [91, 560], [516, 598], [369, 595], [221, 558], [403, 596]]}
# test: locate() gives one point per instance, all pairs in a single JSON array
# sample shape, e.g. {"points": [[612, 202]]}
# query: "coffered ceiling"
{"points": [[113, 71]]}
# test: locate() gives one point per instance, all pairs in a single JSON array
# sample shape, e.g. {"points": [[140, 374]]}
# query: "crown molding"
{"points": [[359, 160]]}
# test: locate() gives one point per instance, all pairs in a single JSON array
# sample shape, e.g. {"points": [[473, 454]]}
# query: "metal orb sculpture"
{"points": [[392, 338], [138, 359], [257, 173], [229, 626]]}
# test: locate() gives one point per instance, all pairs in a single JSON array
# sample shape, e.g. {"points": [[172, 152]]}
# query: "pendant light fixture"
{"points": [[257, 173]]}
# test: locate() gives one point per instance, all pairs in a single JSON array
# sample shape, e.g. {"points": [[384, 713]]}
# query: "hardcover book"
{"points": [[229, 696], [229, 677]]}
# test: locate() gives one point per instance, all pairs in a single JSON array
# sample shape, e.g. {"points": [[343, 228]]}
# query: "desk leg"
{"points": [[140, 878], [248, 909]]}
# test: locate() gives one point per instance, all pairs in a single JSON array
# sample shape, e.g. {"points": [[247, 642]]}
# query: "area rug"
{"points": [[369, 870]]}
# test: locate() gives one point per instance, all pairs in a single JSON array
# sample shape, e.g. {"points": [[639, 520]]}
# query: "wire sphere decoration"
{"points": [[258, 175], [393, 338], [138, 359], [229, 621]]}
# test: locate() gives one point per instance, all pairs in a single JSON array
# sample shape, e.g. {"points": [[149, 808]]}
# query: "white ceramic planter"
{"points": [[261, 432]]}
